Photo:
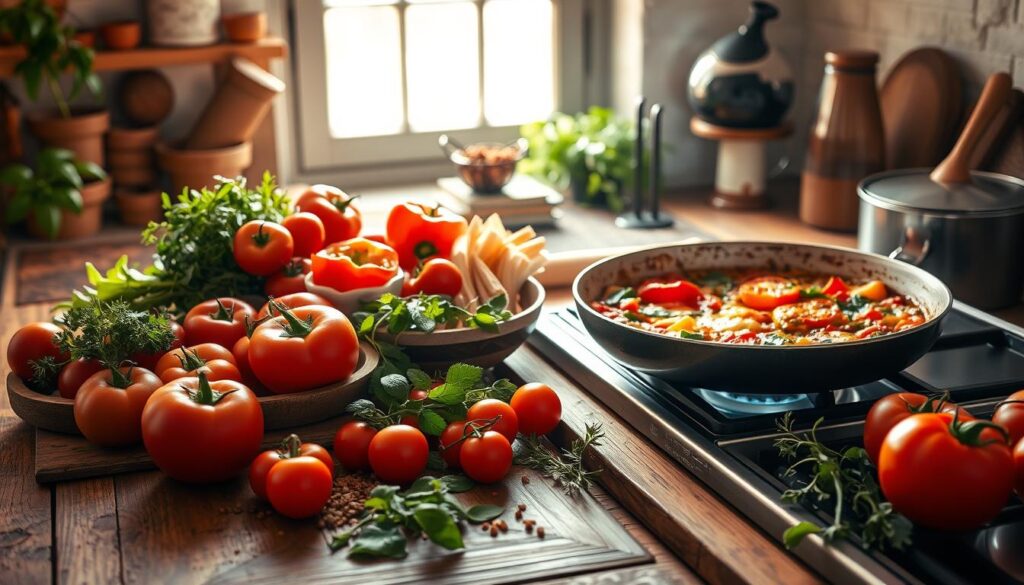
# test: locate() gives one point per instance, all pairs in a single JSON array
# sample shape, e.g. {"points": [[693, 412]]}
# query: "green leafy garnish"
{"points": [[567, 469], [813, 292], [112, 332], [623, 293], [718, 282]]}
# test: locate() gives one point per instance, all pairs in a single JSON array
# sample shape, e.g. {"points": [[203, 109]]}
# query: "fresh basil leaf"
{"points": [[447, 394], [439, 526], [366, 326], [457, 484], [386, 492], [400, 320], [431, 423], [420, 379], [498, 303], [690, 335], [486, 322], [795, 534], [420, 320], [464, 376], [483, 513], [376, 541], [422, 485]]}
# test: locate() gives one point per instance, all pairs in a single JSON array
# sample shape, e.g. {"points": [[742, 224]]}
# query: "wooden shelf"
{"points": [[152, 57]]}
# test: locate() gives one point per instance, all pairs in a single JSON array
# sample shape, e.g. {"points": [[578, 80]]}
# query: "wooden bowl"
{"points": [[280, 411], [441, 349]]}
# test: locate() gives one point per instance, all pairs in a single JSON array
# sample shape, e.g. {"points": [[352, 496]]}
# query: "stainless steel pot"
{"points": [[966, 227]]}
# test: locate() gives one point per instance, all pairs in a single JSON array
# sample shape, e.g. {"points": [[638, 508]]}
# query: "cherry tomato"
{"points": [[418, 394], [418, 231], [294, 301], [946, 474], [218, 362], [437, 277], [890, 410], [398, 454], [1010, 414], [303, 348], [299, 487], [354, 264], [803, 316], [31, 343], [108, 406], [148, 360], [676, 292], [263, 247], [489, 408], [308, 234], [340, 218], [221, 321], [200, 431], [290, 447], [352, 445], [486, 459], [290, 279], [450, 445], [537, 407], [74, 374], [764, 293]]}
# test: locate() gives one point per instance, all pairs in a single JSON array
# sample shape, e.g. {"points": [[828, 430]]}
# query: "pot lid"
{"points": [[914, 190]]}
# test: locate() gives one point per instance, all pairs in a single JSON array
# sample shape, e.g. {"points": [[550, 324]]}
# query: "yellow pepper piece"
{"points": [[872, 291], [685, 323]]}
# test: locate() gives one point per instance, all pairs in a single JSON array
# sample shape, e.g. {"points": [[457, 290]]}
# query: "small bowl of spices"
{"points": [[485, 166]]}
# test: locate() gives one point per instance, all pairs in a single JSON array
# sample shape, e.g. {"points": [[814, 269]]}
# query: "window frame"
{"points": [[320, 156]]}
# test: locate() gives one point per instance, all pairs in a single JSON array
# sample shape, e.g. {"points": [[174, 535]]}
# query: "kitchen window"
{"points": [[379, 80]]}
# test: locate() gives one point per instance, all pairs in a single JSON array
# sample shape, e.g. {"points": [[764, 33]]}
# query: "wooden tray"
{"points": [[51, 412]]}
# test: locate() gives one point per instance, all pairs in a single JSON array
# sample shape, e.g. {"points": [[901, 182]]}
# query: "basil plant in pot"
{"points": [[61, 198], [50, 50], [590, 153]]}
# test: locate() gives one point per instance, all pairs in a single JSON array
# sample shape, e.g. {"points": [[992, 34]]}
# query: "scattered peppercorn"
{"points": [[540, 532], [345, 505]]}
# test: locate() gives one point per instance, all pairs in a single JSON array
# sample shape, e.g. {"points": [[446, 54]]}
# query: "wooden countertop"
{"points": [[76, 530]]}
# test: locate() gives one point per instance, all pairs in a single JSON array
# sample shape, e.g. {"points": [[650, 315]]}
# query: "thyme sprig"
{"points": [[566, 468]]}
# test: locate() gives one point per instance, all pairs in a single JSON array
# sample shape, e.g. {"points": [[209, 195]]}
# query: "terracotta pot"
{"points": [[130, 158], [183, 23], [86, 38], [133, 176], [195, 168], [238, 107], [146, 97], [132, 138], [139, 206], [245, 27], [82, 134], [79, 225], [122, 35]]}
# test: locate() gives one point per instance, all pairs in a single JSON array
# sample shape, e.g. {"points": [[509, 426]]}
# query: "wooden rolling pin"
{"points": [[563, 267]]}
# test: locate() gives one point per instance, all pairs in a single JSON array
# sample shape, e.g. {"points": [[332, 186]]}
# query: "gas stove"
{"points": [[726, 439]]}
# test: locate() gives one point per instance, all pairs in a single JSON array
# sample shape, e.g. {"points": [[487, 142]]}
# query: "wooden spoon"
{"points": [[956, 167]]}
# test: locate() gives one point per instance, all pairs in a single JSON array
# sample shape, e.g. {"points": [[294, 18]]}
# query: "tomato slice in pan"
{"points": [[764, 293], [682, 292]]}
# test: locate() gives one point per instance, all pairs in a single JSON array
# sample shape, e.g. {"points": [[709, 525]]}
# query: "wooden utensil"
{"points": [[921, 103], [1007, 157], [956, 168], [999, 131]]}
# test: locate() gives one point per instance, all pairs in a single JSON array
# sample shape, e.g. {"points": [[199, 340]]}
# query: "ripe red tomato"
{"points": [[398, 454], [294, 301], [31, 343], [418, 394], [299, 487], [1010, 414], [486, 459], [537, 407], [352, 445], [943, 474], [223, 416], [341, 219], [451, 448], [1018, 469], [489, 408], [676, 292], [303, 348], [108, 406], [418, 231], [185, 362], [308, 234], [890, 410], [437, 277], [241, 354], [764, 293], [290, 279], [291, 447], [148, 360], [263, 247], [221, 321], [74, 374]]}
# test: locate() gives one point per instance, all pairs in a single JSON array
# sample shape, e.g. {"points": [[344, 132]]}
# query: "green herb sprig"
{"points": [[844, 482], [392, 516], [566, 469]]}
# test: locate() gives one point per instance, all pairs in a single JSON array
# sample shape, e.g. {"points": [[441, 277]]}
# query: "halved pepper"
{"points": [[354, 264]]}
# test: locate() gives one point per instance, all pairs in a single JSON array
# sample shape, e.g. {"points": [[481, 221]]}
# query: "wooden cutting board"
{"points": [[921, 102], [62, 457]]}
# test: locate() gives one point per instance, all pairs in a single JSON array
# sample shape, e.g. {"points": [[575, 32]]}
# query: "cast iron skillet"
{"points": [[760, 369]]}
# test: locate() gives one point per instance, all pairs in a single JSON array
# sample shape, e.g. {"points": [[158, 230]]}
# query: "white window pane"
{"points": [[518, 61], [442, 64], [364, 71]]}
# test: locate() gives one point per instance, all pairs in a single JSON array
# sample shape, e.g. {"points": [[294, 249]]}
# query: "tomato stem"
{"points": [[290, 446], [294, 327], [205, 394], [293, 268], [224, 313], [474, 428], [190, 361], [120, 379], [260, 238], [424, 250], [343, 205], [969, 432]]}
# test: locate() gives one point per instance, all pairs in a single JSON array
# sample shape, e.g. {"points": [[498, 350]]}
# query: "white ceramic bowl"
{"points": [[348, 302]]}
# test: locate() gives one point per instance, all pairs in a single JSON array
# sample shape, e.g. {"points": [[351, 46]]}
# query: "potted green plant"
{"points": [[589, 153], [50, 50], [61, 199]]}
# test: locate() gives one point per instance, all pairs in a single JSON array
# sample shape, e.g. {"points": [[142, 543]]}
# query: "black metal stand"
{"points": [[638, 217]]}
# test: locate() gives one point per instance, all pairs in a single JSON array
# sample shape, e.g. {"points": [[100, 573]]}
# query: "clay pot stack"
{"points": [[131, 161]]}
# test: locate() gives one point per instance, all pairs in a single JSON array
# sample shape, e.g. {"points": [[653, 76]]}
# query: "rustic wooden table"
{"points": [[143, 528]]}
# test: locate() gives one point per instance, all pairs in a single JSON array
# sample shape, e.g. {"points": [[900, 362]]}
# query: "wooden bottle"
{"points": [[846, 141]]}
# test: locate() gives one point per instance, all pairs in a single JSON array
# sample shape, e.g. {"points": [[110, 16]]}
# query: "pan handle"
{"points": [[914, 247]]}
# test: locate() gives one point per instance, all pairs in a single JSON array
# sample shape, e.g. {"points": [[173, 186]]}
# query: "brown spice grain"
{"points": [[345, 505]]}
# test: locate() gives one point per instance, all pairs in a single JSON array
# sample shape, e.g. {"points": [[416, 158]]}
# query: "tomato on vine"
{"points": [[352, 445], [486, 458], [291, 447], [506, 421]]}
